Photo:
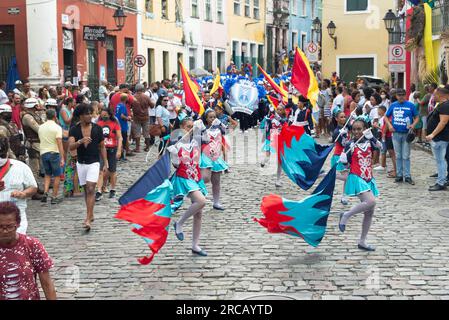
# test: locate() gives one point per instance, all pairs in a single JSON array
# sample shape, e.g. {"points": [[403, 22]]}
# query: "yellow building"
{"points": [[246, 31], [361, 46], [161, 38]]}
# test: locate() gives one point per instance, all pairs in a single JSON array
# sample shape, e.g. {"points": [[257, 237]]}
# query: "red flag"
{"points": [[191, 92], [273, 84], [303, 78], [273, 101]]}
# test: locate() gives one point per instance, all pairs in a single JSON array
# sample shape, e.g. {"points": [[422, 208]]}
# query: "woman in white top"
{"points": [[172, 104]]}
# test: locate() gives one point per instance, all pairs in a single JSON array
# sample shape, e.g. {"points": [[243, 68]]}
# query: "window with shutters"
{"points": [[247, 8], [237, 7], [256, 9], [149, 6], [164, 9], [356, 6], [220, 11], [208, 10], [195, 9]]}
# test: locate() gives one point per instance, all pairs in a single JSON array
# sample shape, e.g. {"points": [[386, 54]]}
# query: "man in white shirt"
{"points": [[18, 183], [3, 96], [339, 100]]}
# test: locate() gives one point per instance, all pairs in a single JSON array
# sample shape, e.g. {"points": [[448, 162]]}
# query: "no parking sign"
{"points": [[396, 58]]}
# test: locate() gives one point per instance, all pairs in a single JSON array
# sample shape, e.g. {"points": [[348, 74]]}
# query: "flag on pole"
{"points": [[217, 84], [303, 78], [273, 84], [273, 101], [149, 212], [300, 156], [306, 218], [191, 89]]}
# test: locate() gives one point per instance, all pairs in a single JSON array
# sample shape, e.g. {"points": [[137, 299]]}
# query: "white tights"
{"points": [[366, 206], [195, 210], [214, 178]]}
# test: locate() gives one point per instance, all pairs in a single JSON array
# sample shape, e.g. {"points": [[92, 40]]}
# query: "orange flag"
{"points": [[303, 78], [273, 84], [273, 101], [191, 92]]}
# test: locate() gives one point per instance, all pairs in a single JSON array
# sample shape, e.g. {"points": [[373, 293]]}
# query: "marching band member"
{"points": [[212, 163], [187, 181], [360, 181]]}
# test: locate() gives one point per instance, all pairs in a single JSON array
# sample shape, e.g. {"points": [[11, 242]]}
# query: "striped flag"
{"points": [[191, 89], [303, 78], [147, 205], [217, 84]]}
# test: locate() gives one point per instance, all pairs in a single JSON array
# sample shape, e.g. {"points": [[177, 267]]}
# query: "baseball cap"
{"points": [[30, 103], [400, 92], [5, 108]]}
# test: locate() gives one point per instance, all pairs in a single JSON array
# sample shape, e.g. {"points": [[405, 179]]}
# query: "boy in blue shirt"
{"points": [[404, 117], [121, 113]]}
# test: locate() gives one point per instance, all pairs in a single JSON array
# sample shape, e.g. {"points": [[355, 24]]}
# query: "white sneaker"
{"points": [[344, 201], [379, 168], [278, 184]]}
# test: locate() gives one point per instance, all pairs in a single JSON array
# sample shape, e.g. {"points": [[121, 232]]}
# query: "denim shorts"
{"points": [[51, 162]]}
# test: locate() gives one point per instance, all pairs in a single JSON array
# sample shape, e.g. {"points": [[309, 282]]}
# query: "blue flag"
{"points": [[154, 177]]}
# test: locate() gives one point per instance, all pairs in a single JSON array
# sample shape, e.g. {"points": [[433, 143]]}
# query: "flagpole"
{"points": [[346, 124]]}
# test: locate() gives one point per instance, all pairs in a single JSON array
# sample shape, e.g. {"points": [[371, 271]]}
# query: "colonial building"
{"points": [[57, 41], [205, 34], [278, 12], [246, 31], [161, 36], [355, 41], [302, 14]]}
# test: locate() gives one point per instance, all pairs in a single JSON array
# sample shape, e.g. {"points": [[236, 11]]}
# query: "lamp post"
{"points": [[119, 19], [390, 21], [331, 27], [316, 25]]}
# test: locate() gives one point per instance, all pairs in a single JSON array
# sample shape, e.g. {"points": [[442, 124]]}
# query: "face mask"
{"points": [[171, 95], [383, 96], [154, 90], [3, 161], [105, 118]]}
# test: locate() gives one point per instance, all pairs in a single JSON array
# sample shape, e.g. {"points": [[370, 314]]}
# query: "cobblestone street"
{"points": [[411, 260]]}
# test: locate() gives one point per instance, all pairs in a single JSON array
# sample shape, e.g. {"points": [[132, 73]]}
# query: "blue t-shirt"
{"points": [[403, 114], [121, 109]]}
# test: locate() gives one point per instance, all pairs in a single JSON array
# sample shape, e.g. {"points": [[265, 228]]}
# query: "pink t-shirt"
{"points": [[19, 266]]}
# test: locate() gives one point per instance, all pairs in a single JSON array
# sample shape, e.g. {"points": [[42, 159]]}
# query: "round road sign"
{"points": [[139, 61]]}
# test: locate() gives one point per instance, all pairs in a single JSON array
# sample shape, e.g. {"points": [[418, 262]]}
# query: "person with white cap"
{"points": [[31, 122], [18, 88], [10, 130]]}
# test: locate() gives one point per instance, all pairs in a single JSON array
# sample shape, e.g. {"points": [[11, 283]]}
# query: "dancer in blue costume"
{"points": [[360, 180]]}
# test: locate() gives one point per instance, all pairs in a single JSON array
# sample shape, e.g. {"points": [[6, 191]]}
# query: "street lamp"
{"points": [[119, 19], [390, 21], [316, 23], [331, 27]]}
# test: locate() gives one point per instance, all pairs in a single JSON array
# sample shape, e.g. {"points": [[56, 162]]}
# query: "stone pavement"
{"points": [[411, 260]]}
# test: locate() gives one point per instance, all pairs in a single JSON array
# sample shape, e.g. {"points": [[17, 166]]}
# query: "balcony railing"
{"points": [[440, 17]]}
